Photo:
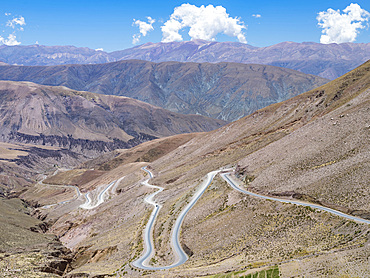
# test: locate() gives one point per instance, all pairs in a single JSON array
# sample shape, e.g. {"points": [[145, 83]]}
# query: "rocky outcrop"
{"points": [[69, 146]]}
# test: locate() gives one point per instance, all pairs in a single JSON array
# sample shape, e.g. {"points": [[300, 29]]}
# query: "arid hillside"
{"points": [[86, 123], [337, 111], [313, 147], [226, 91]]}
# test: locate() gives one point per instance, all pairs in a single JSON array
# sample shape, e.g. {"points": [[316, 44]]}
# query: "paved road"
{"points": [[181, 257], [90, 204], [142, 262], [350, 217], [78, 192]]}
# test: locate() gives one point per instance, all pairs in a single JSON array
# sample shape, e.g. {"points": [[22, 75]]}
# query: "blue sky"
{"points": [[109, 24]]}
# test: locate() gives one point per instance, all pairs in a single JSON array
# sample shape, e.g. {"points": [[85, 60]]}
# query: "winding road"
{"points": [[142, 262], [78, 192], [181, 256], [89, 204], [299, 203]]}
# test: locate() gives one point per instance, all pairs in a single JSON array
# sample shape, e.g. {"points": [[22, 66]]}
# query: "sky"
{"points": [[118, 24]]}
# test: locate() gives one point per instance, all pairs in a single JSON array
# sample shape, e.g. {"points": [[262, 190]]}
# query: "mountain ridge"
{"points": [[223, 90], [326, 60], [58, 116]]}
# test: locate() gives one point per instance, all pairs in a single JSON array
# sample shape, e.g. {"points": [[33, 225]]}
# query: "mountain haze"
{"points": [[224, 91], [42, 55], [325, 60]]}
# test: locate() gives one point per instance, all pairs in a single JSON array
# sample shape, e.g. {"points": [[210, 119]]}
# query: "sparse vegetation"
{"points": [[267, 273], [226, 230]]}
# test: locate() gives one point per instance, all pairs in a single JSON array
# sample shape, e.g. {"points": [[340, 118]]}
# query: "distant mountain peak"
{"points": [[325, 60]]}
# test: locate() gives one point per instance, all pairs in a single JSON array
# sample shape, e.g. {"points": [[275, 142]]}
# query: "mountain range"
{"points": [[226, 91], [92, 177], [325, 60], [312, 147], [328, 61], [85, 122]]}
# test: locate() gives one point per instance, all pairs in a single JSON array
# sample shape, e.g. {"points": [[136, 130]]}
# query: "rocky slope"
{"points": [[24, 244], [83, 122], [326, 60], [312, 147], [325, 128], [225, 91]]}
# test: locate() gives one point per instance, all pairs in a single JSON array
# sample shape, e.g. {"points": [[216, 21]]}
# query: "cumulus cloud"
{"points": [[99, 49], [16, 21], [256, 15], [342, 27], [136, 38], [144, 28], [16, 24], [11, 40], [205, 23]]}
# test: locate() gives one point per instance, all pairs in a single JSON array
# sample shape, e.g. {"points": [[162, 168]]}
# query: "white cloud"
{"points": [[256, 15], [11, 40], [16, 21], [135, 38], [144, 28], [99, 49], [205, 23], [16, 24], [342, 27]]}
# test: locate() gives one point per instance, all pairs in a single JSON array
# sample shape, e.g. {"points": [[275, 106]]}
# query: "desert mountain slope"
{"points": [[312, 147], [332, 120], [25, 244], [86, 122], [326, 60], [225, 91]]}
